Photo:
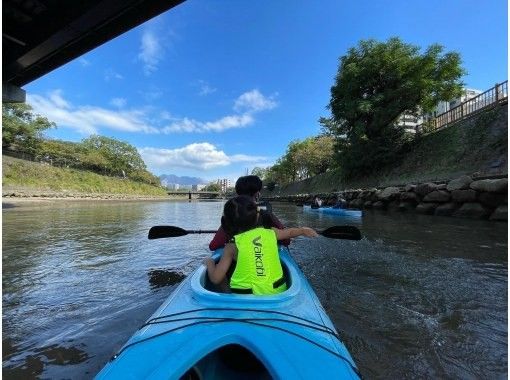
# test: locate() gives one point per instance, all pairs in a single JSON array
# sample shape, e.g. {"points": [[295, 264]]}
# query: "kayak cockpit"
{"points": [[203, 288], [231, 361], [208, 285]]}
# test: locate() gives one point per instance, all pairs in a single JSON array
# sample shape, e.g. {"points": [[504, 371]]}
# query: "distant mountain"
{"points": [[171, 179]]}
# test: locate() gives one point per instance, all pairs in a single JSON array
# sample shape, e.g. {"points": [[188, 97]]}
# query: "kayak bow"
{"points": [[201, 334]]}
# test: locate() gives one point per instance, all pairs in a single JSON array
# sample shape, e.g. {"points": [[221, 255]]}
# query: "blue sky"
{"points": [[215, 88]]}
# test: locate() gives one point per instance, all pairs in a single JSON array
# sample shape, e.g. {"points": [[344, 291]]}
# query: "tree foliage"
{"points": [[260, 172], [375, 84], [114, 157], [22, 131], [303, 159], [21, 128], [212, 187], [59, 153]]}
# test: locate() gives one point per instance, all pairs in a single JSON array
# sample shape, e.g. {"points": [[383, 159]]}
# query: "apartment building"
{"points": [[445, 106], [411, 121], [197, 187], [224, 184]]}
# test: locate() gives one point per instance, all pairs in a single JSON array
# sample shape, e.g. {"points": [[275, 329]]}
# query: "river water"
{"points": [[418, 297]]}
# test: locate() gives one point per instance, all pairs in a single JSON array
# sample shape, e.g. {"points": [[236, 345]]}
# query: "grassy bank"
{"points": [[35, 177], [476, 146]]}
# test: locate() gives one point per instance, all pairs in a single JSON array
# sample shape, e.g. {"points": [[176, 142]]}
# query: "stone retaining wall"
{"points": [[462, 197]]}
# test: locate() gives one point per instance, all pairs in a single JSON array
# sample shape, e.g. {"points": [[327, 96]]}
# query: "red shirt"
{"points": [[221, 238]]}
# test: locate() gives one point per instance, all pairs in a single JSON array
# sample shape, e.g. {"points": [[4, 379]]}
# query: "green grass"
{"points": [[467, 147], [21, 174]]}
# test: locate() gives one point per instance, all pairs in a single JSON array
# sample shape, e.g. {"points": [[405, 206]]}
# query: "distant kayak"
{"points": [[334, 211], [201, 334]]}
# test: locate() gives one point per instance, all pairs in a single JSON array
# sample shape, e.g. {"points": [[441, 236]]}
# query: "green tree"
{"points": [[303, 159], [212, 187], [282, 172], [260, 172], [319, 152], [313, 156], [375, 84], [59, 153], [21, 128], [112, 156], [93, 160], [145, 177]]}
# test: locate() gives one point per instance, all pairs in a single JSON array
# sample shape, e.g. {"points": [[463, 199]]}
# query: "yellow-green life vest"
{"points": [[258, 269]]}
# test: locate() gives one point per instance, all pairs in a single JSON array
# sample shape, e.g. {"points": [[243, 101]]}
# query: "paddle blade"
{"points": [[342, 232], [158, 232]]}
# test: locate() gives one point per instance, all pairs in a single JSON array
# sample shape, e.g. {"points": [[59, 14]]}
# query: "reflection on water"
{"points": [[417, 297], [161, 277]]}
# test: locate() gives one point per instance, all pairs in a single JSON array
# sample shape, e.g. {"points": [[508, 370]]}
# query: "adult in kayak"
{"points": [[254, 250], [341, 203], [249, 185], [317, 202]]}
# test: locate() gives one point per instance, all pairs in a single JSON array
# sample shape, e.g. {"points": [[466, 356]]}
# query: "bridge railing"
{"points": [[488, 99]]}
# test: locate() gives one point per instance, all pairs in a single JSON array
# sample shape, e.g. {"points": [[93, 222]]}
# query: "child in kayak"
{"points": [[249, 185], [253, 248]]}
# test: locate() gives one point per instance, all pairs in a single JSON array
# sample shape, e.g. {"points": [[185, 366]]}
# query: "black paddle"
{"points": [[341, 232], [335, 232], [158, 232]]}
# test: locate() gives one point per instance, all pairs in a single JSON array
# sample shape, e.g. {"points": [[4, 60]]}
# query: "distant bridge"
{"points": [[203, 194], [198, 194]]}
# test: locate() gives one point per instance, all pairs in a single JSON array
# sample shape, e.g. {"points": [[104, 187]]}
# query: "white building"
{"points": [[410, 122], [469, 93], [197, 187], [445, 106], [224, 184]]}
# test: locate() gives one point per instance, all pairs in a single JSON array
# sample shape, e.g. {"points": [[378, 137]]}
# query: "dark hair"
{"points": [[239, 215], [248, 185]]}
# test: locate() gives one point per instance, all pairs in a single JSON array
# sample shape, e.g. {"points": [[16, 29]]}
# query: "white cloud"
{"points": [[87, 120], [226, 122], [205, 88], [198, 156], [58, 100], [246, 105], [110, 74], [151, 52], [118, 102], [254, 101], [84, 62], [165, 115], [151, 94]]}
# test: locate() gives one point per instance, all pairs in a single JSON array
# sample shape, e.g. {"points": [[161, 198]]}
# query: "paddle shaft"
{"points": [[335, 232], [200, 231]]}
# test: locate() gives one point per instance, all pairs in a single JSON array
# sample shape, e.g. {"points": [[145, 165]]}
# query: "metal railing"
{"points": [[488, 99]]}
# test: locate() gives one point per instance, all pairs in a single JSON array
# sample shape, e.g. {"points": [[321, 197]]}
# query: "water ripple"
{"points": [[417, 297]]}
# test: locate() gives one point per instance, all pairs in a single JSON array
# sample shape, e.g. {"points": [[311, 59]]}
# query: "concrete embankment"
{"points": [[69, 195], [14, 197]]}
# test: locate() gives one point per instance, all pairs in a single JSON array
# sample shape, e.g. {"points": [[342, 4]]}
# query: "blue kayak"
{"points": [[334, 211], [201, 334]]}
